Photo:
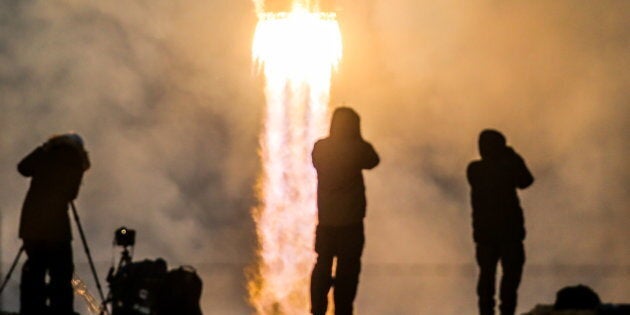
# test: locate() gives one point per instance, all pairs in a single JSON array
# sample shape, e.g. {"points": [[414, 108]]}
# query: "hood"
{"points": [[345, 124], [491, 144], [71, 141]]}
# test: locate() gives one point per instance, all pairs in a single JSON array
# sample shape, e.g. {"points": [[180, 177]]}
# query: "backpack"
{"points": [[579, 297], [180, 293], [135, 288]]}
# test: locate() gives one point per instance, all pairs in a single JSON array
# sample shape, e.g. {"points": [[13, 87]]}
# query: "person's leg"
{"points": [[512, 261], [61, 271], [351, 242], [33, 282], [321, 279], [487, 258]]}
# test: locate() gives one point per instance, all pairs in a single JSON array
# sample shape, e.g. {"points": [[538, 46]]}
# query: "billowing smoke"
{"points": [[428, 76], [165, 96]]}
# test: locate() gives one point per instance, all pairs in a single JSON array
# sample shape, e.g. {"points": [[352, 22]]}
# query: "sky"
{"points": [[166, 98]]}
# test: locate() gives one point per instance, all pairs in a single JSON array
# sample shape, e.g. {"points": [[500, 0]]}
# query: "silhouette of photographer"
{"points": [[339, 160], [56, 169], [498, 224]]}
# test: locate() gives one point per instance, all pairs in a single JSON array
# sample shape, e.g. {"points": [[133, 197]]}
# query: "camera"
{"points": [[125, 237], [147, 287]]}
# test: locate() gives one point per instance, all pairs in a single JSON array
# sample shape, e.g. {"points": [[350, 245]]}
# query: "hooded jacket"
{"points": [[56, 169], [339, 160], [497, 213]]}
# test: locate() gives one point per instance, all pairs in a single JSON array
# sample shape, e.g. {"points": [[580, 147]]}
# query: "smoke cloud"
{"points": [[431, 75], [165, 97]]}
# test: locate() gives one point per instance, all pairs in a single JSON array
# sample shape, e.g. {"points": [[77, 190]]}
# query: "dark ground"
{"points": [[396, 289]]}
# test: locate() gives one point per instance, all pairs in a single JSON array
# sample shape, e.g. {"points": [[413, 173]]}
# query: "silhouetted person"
{"points": [[498, 223], [339, 160], [56, 169]]}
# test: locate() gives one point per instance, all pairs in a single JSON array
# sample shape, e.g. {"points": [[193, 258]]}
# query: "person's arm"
{"points": [[522, 176], [370, 157], [82, 164], [472, 173], [85, 160], [75, 184], [29, 164], [315, 155]]}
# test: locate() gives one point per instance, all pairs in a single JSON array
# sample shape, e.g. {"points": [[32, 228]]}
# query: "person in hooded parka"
{"points": [[339, 160], [497, 217], [56, 169]]}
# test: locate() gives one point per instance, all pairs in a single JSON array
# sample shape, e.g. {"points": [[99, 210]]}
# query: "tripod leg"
{"points": [[15, 261], [87, 251]]}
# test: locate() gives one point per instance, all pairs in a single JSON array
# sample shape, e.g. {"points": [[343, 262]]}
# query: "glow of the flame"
{"points": [[80, 289], [297, 52]]}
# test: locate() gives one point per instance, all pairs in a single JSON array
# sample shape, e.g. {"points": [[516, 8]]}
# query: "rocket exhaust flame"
{"points": [[297, 52]]}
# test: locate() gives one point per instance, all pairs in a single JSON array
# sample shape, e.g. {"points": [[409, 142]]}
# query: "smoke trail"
{"points": [[297, 52]]}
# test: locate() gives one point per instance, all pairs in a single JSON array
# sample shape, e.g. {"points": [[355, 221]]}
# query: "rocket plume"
{"points": [[296, 52]]}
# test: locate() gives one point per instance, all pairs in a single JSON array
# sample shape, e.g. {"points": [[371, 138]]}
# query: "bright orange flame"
{"points": [[81, 289], [297, 52]]}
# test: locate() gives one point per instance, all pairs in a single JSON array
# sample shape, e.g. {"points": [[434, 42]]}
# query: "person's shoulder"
{"points": [[364, 142], [474, 165], [321, 142], [474, 170], [366, 145]]}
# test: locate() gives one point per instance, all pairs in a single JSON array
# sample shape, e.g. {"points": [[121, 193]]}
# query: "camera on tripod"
{"points": [[147, 287], [125, 237]]}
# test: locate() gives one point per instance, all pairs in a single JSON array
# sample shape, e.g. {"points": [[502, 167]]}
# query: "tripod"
{"points": [[85, 247], [112, 275], [87, 253], [15, 261], [125, 259]]}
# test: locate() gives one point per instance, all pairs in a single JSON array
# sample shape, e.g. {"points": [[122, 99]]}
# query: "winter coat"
{"points": [[56, 171], [339, 161], [497, 214]]}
